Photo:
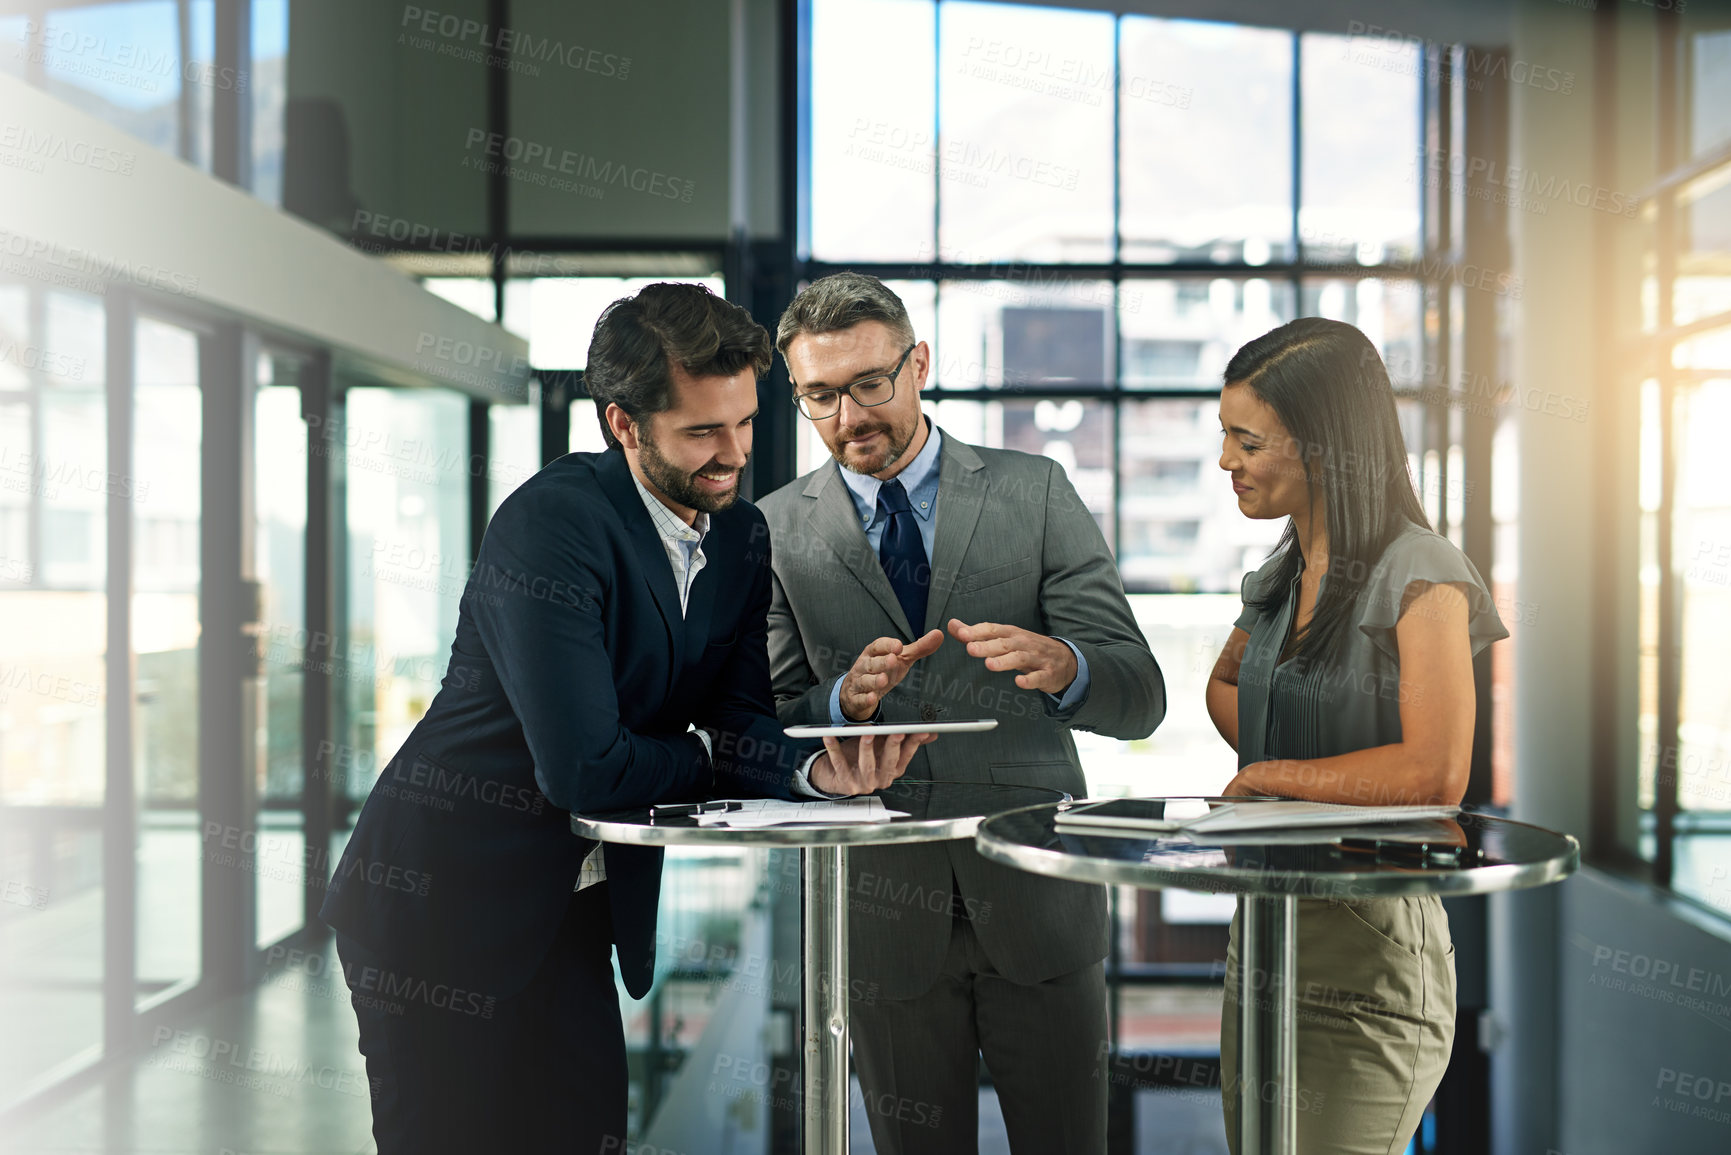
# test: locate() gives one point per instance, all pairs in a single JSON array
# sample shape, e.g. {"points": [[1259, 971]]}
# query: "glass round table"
{"points": [[934, 812], [1269, 870]]}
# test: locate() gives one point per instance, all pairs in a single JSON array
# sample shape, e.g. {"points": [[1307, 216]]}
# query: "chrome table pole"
{"points": [[1267, 1025], [823, 1005]]}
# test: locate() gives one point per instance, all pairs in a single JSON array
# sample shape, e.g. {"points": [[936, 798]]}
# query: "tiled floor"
{"points": [[276, 1072]]}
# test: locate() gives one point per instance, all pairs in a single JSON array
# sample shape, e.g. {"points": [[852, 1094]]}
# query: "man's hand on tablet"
{"points": [[865, 764]]}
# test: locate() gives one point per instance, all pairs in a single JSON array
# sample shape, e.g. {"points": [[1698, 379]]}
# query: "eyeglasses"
{"points": [[867, 391]]}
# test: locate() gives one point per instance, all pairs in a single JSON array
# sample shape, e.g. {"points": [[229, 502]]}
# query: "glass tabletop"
{"points": [[935, 812], [1470, 854]]}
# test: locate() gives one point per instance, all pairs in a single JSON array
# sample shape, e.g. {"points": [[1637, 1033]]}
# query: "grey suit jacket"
{"points": [[1013, 544]]}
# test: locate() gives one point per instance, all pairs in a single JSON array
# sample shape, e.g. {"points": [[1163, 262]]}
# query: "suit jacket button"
{"points": [[928, 713]]}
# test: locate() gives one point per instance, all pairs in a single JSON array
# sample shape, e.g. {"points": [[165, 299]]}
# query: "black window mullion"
{"points": [[1116, 405], [1297, 153], [937, 136]]}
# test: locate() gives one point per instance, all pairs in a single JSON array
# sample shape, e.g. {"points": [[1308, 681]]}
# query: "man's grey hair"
{"points": [[841, 301]]}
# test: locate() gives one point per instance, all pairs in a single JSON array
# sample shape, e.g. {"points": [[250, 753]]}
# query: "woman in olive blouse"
{"points": [[1347, 678]]}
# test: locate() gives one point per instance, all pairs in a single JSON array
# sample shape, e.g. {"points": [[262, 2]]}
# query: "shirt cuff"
{"points": [[1077, 691], [802, 781], [708, 756]]}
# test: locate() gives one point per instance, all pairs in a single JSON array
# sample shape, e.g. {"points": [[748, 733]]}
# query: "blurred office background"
{"points": [[294, 292]]}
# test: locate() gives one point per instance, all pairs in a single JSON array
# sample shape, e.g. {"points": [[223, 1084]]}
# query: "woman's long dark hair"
{"points": [[1328, 385]]}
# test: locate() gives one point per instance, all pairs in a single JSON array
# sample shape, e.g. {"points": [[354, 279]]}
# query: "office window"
{"points": [[1191, 90], [279, 544], [513, 447], [1016, 292], [126, 64], [53, 729], [1360, 149], [408, 544], [267, 86], [873, 139], [1024, 143], [472, 293], [168, 434], [1180, 333], [1683, 563], [514, 431]]}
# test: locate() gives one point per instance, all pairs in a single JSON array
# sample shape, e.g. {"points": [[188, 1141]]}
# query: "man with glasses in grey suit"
{"points": [[918, 578]]}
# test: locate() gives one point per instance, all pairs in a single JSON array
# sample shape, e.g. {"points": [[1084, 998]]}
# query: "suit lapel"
{"points": [[835, 518], [621, 490], [962, 480]]}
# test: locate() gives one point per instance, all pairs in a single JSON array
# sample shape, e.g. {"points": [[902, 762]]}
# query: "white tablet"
{"points": [[860, 729]]}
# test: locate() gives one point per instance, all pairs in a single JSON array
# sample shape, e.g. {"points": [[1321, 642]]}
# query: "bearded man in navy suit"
{"points": [[610, 653]]}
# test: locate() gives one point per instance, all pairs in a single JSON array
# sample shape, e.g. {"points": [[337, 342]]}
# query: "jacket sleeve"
{"points": [[539, 595], [1082, 600], [752, 755]]}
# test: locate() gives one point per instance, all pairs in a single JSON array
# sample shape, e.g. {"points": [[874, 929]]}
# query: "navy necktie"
{"points": [[903, 554]]}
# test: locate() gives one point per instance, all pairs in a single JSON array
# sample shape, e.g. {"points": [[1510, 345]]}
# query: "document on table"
{"points": [[1236, 817], [755, 812]]}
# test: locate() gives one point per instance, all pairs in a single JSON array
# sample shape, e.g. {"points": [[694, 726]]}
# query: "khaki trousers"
{"points": [[1375, 1020]]}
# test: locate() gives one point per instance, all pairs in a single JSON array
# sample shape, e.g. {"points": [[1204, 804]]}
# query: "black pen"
{"points": [[690, 809]]}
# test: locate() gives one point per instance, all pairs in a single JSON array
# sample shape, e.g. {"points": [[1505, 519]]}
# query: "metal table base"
{"points": [[1267, 1024], [823, 1005], [1486, 854], [938, 812]]}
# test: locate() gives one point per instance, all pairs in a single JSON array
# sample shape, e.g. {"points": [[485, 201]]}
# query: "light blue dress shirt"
{"points": [[920, 479]]}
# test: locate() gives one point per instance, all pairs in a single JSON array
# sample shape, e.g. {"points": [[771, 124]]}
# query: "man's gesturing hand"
{"points": [[856, 766], [879, 668], [1044, 663]]}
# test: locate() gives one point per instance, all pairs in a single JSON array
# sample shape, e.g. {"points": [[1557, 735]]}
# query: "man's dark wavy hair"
{"points": [[639, 339]]}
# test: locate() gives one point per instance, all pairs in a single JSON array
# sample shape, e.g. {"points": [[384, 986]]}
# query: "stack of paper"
{"points": [[1236, 817], [755, 812]]}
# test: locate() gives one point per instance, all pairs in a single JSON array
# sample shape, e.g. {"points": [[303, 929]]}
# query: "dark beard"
{"points": [[679, 486]]}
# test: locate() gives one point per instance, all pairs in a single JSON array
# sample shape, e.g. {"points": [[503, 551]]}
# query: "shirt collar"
{"points": [[667, 523], [920, 479]]}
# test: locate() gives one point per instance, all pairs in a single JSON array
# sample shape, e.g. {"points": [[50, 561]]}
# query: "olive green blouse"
{"points": [[1305, 709]]}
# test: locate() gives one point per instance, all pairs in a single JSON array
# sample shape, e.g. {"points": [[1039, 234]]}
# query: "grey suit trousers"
{"points": [[1044, 1044]]}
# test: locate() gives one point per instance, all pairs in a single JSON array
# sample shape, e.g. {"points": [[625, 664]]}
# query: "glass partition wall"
{"points": [[169, 713]]}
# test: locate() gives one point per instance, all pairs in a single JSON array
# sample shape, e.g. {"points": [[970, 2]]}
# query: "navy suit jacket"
{"points": [[572, 681]]}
